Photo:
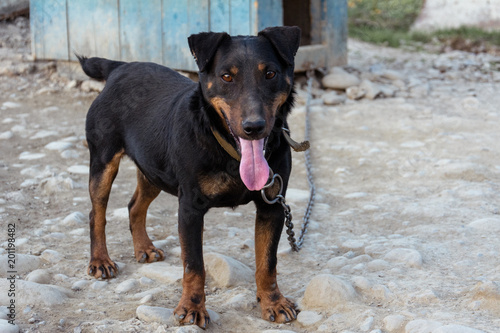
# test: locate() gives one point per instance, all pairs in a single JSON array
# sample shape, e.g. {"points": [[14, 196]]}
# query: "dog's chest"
{"points": [[218, 184]]}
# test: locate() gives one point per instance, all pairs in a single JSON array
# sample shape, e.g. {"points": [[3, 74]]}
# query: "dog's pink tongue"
{"points": [[254, 170]]}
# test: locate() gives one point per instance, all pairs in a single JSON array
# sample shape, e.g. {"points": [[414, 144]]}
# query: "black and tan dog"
{"points": [[211, 144]]}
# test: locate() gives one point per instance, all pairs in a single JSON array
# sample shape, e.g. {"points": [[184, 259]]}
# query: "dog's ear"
{"points": [[286, 41], [204, 45]]}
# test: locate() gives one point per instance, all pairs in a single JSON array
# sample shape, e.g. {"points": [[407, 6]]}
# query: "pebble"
{"points": [[333, 98], [327, 291], [489, 224], [226, 271], [338, 78], [372, 90], [308, 318], [35, 293], [6, 135], [337, 263], [10, 105], [367, 324], [80, 284], [355, 92], [393, 323], [155, 314], [377, 265], [126, 286], [43, 134], [353, 245], [75, 219], [240, 302], [6, 327], [52, 256], [70, 154], [296, 195], [408, 257], [41, 276], [92, 85], [144, 281], [162, 272], [422, 326], [58, 145], [26, 155], [24, 263], [98, 285], [79, 169], [456, 329]]}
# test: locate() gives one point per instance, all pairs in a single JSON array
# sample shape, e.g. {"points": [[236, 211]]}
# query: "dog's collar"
{"points": [[298, 147]]}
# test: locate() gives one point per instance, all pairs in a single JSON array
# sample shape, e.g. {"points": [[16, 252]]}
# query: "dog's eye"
{"points": [[270, 75], [226, 77]]}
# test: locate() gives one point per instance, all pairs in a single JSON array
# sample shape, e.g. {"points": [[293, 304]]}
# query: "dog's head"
{"points": [[247, 79]]}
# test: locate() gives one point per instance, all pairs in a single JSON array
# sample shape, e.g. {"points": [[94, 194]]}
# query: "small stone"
{"points": [[422, 326], [394, 323], [126, 286], [332, 98], [240, 302], [355, 93], [75, 218], [35, 293], [24, 263], [456, 329], [353, 245], [226, 271], [146, 299], [81, 284], [41, 276], [339, 79], [70, 154], [372, 90], [30, 156], [10, 105], [6, 327], [337, 263], [98, 285], [6, 135], [367, 324], [79, 169], [327, 291], [58, 145], [52, 256], [308, 318], [377, 265], [392, 75], [144, 281], [162, 272], [409, 257], [43, 134], [92, 85], [489, 224], [154, 314]]}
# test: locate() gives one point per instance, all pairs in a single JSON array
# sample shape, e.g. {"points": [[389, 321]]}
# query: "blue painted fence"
{"points": [[157, 30]]}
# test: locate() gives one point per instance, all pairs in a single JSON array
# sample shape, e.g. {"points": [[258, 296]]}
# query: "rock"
{"points": [[337, 263], [339, 79], [126, 286], [162, 272], [92, 85], [56, 184], [10, 105], [35, 293], [353, 245], [144, 281], [6, 327], [51, 256], [41, 276], [154, 314], [43, 134], [98, 285], [327, 291], [490, 224], [355, 92], [367, 324], [332, 98], [79, 169], [372, 90], [81, 284], [375, 250], [408, 257], [456, 329], [226, 271], [26, 155], [422, 326], [6, 135], [241, 302], [487, 293], [392, 75], [24, 263], [377, 265], [394, 323], [58, 145], [70, 154], [75, 219], [308, 318]]}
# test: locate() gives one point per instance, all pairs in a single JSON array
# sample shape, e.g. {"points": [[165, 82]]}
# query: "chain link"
{"points": [[294, 244]]}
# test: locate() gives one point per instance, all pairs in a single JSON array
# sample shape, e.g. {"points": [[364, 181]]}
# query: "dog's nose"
{"points": [[254, 126]]}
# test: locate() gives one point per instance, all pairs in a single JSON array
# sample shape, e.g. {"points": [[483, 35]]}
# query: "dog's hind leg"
{"points": [[144, 194], [100, 181]]}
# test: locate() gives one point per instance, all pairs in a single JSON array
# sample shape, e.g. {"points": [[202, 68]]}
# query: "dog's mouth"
{"points": [[254, 169]]}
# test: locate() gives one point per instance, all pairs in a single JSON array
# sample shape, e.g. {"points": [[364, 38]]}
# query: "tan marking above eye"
{"points": [[234, 70], [210, 84], [261, 67]]}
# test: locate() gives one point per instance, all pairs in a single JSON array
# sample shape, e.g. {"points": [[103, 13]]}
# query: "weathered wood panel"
{"points": [[93, 28], [49, 29]]}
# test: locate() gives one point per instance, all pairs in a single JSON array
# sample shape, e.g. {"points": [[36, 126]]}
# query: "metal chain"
{"points": [[294, 244]]}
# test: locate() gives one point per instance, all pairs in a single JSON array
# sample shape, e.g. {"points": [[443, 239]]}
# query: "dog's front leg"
{"points": [[269, 224], [191, 308]]}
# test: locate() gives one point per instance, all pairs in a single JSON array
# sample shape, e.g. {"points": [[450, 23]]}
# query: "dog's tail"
{"points": [[98, 68]]}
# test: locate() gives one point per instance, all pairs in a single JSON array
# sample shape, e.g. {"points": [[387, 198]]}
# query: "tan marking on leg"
{"points": [[144, 194]]}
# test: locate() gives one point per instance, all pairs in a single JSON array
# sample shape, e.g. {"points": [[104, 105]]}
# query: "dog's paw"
{"points": [[149, 255], [190, 313], [278, 309], [102, 268]]}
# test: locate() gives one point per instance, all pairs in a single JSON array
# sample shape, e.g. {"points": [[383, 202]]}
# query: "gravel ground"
{"points": [[404, 232]]}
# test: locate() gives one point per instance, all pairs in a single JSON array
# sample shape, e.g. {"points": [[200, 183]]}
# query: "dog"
{"points": [[211, 143]]}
